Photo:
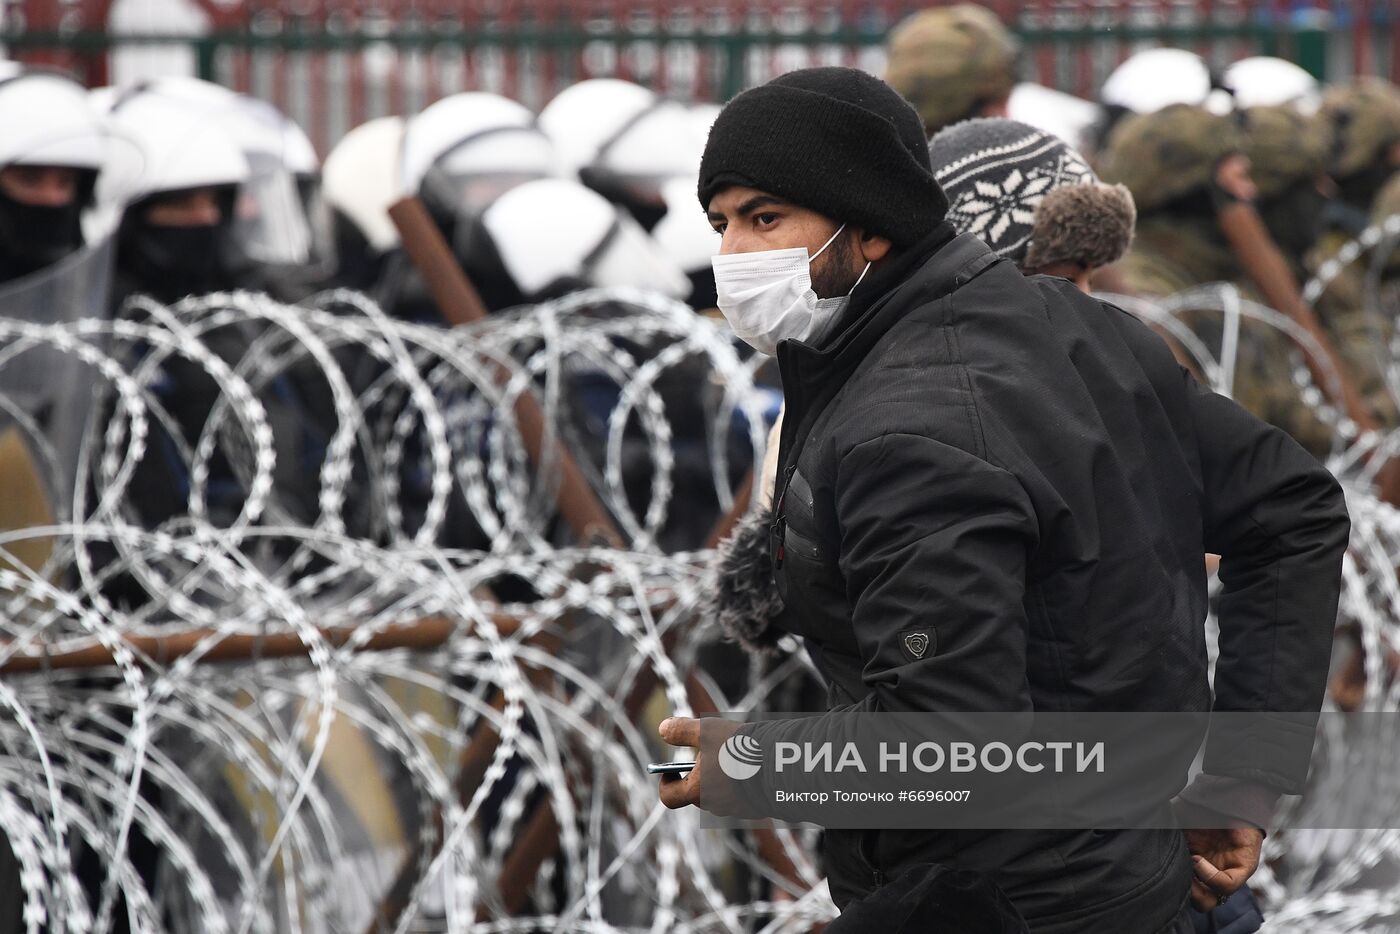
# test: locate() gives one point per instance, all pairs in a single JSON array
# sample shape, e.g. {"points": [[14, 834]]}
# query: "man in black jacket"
{"points": [[1023, 480]]}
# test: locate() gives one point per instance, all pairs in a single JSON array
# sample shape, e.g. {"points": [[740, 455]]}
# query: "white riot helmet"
{"points": [[48, 124], [1265, 81], [1157, 78], [554, 235], [281, 219], [624, 141], [183, 149], [702, 117], [684, 232], [48, 121], [360, 181], [1063, 115], [284, 221], [688, 239], [465, 151], [179, 145], [102, 99]]}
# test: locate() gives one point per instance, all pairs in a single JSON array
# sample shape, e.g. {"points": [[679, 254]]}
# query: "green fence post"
{"points": [[204, 54], [735, 47], [1310, 36]]}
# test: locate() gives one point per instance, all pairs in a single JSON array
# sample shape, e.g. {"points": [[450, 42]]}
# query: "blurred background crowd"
{"points": [[244, 394]]}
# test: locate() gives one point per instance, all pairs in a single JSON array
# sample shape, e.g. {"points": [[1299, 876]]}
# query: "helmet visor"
{"points": [[271, 221]]}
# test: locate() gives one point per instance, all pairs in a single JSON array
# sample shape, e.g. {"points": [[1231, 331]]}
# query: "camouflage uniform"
{"points": [[1364, 116], [951, 61], [1289, 153], [1364, 119], [1284, 147], [1168, 160], [1387, 203], [1387, 206]]}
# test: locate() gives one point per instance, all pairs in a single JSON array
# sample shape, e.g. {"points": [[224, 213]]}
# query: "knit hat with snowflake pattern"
{"points": [[1029, 196]]}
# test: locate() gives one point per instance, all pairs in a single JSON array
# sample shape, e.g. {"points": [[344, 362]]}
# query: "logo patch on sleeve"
{"points": [[917, 644]]}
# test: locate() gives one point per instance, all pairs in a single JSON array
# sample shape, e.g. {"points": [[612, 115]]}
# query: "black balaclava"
{"points": [[169, 263], [1292, 216], [358, 265], [1359, 188], [34, 236]]}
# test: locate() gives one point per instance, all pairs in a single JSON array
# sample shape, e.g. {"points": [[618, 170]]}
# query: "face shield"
{"points": [[271, 221], [46, 393], [468, 178], [318, 218]]}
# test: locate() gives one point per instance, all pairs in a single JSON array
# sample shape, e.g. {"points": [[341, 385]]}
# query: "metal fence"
{"points": [[335, 63]]}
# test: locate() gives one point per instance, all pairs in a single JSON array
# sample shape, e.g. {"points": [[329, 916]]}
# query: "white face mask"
{"points": [[767, 296]]}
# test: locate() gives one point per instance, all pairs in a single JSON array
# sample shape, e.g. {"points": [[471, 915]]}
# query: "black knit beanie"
{"points": [[836, 140]]}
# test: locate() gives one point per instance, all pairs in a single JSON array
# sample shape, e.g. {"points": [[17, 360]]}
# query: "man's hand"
{"points": [[1223, 861], [705, 736]]}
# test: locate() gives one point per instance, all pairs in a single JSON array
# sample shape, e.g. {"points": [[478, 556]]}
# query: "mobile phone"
{"points": [[677, 766]]}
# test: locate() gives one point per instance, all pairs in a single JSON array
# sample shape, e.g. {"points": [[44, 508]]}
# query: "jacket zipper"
{"points": [[869, 858], [780, 520]]}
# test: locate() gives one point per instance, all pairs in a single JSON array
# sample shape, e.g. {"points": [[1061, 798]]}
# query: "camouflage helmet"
{"points": [[1284, 147], [948, 61], [1365, 120], [1163, 155]]}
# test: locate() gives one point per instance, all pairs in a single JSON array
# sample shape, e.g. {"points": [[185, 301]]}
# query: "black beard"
{"points": [[835, 277]]}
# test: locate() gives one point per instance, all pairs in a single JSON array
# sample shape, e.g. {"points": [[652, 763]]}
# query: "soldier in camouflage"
{"points": [[1288, 153], [1178, 163], [1364, 119], [1181, 163], [1387, 202], [953, 63], [1364, 116], [1387, 208]]}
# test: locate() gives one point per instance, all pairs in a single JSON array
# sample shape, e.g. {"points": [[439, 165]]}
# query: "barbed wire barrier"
{"points": [[328, 660]]}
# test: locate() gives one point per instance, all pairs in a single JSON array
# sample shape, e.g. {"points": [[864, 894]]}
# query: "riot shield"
{"points": [[46, 387]]}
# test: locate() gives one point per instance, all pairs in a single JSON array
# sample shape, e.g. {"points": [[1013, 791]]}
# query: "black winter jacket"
{"points": [[1026, 476]]}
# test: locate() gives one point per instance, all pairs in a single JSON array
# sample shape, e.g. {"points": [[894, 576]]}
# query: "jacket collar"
{"points": [[882, 281], [932, 267], [813, 375]]}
